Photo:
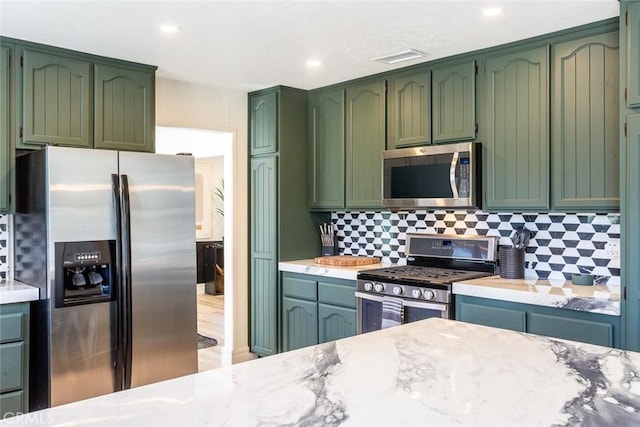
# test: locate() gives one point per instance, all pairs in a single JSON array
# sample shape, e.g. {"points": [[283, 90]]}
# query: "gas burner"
{"points": [[420, 274]]}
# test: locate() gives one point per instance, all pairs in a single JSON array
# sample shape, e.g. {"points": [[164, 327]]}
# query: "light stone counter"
{"points": [[434, 372], [308, 266], [12, 291], [604, 299]]}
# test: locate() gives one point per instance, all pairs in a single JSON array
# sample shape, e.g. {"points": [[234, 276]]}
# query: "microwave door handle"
{"points": [[452, 174]]}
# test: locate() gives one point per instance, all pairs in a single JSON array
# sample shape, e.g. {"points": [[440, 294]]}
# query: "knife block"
{"points": [[511, 262], [331, 250]]}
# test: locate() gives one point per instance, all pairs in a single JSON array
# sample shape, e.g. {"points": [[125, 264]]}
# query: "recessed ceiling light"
{"points": [[168, 28], [405, 55], [314, 63], [492, 11]]}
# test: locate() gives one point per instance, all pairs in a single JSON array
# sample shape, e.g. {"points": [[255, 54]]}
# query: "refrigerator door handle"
{"points": [[119, 356], [126, 282]]}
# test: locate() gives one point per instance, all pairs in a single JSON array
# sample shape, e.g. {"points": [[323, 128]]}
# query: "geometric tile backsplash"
{"points": [[4, 246], [562, 244]]}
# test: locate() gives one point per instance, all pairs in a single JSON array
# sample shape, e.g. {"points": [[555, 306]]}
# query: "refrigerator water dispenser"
{"points": [[83, 272]]}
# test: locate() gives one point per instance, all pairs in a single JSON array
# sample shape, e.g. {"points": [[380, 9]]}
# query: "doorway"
{"points": [[212, 151]]}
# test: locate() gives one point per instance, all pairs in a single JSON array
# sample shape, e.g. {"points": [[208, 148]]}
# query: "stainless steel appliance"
{"points": [[109, 238], [422, 288], [446, 175]]}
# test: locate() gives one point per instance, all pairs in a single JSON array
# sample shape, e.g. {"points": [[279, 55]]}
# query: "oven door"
{"points": [[369, 311]]}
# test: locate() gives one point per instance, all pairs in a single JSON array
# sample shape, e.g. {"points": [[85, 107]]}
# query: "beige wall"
{"points": [[191, 105]]}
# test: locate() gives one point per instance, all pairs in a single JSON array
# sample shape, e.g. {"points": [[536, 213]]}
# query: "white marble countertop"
{"points": [[433, 372], [12, 291], [604, 299], [308, 266]]}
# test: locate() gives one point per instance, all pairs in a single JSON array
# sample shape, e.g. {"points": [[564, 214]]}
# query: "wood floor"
{"points": [[210, 324]]}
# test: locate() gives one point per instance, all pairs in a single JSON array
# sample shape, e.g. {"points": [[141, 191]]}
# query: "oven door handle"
{"points": [[428, 305], [368, 296], [405, 302]]}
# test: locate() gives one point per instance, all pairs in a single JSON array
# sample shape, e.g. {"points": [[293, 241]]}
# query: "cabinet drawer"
{"points": [[571, 329], [337, 294], [11, 327], [299, 288], [11, 404], [11, 369]]}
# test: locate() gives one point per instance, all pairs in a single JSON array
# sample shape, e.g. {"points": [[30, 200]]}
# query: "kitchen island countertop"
{"points": [[603, 299], [12, 291], [432, 372]]}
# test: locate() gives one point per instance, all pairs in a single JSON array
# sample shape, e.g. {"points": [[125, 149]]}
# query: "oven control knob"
{"points": [[368, 286], [379, 287], [397, 290], [428, 294], [417, 293]]}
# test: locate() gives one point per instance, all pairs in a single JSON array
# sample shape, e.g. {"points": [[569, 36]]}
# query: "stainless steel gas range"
{"points": [[422, 288]]}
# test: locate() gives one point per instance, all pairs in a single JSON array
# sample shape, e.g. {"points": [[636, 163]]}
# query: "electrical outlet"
{"points": [[612, 250]]}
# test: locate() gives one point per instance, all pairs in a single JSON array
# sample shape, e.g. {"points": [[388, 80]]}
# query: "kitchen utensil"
{"points": [[511, 262]]}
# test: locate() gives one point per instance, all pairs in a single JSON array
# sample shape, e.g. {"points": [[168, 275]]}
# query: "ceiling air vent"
{"points": [[405, 55]]}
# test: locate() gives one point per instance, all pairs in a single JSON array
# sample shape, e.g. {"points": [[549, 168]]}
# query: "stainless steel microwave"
{"points": [[446, 175]]}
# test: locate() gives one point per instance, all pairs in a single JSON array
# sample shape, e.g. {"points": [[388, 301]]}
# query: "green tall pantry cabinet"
{"points": [[281, 227], [517, 130], [6, 149], [630, 173]]}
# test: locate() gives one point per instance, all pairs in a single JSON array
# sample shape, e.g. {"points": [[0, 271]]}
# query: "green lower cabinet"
{"points": [[572, 329], [335, 322], [515, 320], [592, 328], [299, 323], [14, 359], [316, 310]]}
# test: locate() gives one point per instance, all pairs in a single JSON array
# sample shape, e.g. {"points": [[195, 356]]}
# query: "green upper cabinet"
{"points": [[585, 117], [365, 142], [409, 115], [56, 100], [124, 108], [5, 133], [326, 149], [264, 123], [454, 102], [264, 258], [633, 55], [517, 131]]}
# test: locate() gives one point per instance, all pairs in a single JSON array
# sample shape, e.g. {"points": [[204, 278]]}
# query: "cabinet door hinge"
{"points": [[476, 69], [625, 94], [626, 18], [9, 61], [20, 131], [21, 61], [624, 293], [625, 129], [476, 129]]}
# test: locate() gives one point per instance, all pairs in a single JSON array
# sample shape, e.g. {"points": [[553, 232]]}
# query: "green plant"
{"points": [[219, 193]]}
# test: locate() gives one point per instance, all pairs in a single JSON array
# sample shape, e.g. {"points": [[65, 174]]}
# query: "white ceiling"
{"points": [[249, 45]]}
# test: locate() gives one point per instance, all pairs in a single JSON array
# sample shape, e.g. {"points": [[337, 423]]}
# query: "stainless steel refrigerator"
{"points": [[109, 238]]}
